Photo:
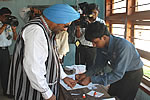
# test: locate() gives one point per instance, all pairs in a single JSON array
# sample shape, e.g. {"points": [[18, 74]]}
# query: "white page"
{"points": [[77, 86]]}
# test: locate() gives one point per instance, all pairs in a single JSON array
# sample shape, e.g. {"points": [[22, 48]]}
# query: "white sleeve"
{"points": [[35, 55], [62, 73], [100, 20]]}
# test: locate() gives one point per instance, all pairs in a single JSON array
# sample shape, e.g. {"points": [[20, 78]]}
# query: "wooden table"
{"points": [[82, 91], [68, 96]]}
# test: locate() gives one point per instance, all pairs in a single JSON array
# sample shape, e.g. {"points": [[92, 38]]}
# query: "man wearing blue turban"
{"points": [[35, 71]]}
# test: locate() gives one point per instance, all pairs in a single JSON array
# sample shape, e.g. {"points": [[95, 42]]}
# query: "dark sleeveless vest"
{"points": [[18, 82]]}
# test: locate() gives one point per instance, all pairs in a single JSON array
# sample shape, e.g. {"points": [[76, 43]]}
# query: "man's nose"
{"points": [[94, 45], [65, 29]]}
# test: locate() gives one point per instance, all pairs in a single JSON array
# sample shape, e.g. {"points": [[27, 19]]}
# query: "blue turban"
{"points": [[61, 13]]}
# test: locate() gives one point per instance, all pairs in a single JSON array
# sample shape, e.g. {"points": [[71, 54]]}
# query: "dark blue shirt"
{"points": [[122, 56]]}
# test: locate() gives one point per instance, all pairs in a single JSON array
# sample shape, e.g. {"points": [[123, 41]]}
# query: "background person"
{"points": [[85, 52], [62, 45], [7, 34], [27, 13]]}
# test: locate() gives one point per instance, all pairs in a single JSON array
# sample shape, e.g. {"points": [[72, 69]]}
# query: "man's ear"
{"points": [[104, 37]]}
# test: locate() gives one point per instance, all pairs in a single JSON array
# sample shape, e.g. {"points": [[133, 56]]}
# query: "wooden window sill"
{"points": [[145, 85]]}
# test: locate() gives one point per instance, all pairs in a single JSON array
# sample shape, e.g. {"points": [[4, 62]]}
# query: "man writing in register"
{"points": [[123, 58]]}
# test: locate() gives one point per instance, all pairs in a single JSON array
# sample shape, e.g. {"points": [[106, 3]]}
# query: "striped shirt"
{"points": [[32, 78]]}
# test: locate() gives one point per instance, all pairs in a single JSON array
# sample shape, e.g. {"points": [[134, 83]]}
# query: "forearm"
{"points": [[37, 79], [3, 28], [106, 79], [78, 34], [14, 33]]}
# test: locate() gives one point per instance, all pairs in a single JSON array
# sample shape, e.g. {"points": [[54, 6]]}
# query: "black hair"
{"points": [[93, 6], [5, 10], [96, 30]]}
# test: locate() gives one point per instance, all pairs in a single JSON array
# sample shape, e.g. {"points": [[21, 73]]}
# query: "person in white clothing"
{"points": [[7, 35], [62, 45], [35, 71]]}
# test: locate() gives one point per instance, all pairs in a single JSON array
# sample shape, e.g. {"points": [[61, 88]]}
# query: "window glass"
{"points": [[118, 30], [119, 6], [146, 67], [142, 41], [142, 37], [142, 6]]}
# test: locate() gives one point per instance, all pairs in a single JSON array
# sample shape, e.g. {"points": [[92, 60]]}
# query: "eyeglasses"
{"points": [[6, 15], [66, 26]]}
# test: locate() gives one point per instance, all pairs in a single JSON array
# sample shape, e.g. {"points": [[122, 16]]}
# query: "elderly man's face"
{"points": [[60, 27]]}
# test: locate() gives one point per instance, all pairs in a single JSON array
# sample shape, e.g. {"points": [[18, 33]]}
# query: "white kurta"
{"points": [[35, 56]]}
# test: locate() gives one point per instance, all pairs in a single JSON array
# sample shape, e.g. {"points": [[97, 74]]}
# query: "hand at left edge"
{"points": [[13, 28], [14, 32], [70, 82]]}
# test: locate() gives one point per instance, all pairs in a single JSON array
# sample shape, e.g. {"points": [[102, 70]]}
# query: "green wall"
{"points": [[16, 5]]}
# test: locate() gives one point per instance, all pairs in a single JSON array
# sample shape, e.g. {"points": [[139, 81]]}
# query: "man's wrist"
{"points": [[4, 26], [47, 94]]}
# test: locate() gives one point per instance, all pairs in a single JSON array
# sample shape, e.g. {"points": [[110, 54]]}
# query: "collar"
{"points": [[45, 24], [111, 44], [1, 24], [97, 19]]}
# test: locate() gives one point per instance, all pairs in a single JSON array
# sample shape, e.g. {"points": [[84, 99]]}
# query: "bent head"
{"points": [[98, 34]]}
